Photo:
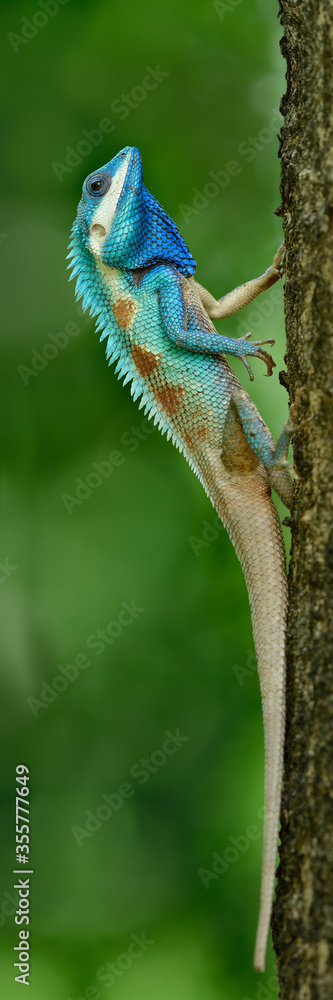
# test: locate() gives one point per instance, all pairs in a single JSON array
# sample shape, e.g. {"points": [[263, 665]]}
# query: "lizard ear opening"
{"points": [[97, 237], [98, 230]]}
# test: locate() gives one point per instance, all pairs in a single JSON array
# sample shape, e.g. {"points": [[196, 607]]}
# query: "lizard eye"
{"points": [[98, 184]]}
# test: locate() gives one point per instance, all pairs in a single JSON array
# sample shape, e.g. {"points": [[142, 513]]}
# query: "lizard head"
{"points": [[121, 224]]}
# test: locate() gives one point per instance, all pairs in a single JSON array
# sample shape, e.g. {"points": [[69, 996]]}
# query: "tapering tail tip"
{"points": [[259, 961], [268, 875], [260, 949]]}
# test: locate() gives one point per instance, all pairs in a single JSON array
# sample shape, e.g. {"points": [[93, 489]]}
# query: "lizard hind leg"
{"points": [[272, 455]]}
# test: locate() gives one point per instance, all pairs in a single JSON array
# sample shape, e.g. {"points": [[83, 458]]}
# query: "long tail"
{"points": [[245, 506]]}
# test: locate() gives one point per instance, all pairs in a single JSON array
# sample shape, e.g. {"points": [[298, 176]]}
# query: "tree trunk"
{"points": [[303, 912]]}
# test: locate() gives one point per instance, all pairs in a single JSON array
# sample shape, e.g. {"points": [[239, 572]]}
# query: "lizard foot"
{"points": [[279, 458], [255, 351], [283, 463], [293, 426], [293, 414], [278, 262]]}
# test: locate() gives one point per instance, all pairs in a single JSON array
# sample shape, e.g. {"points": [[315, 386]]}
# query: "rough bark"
{"points": [[303, 912]]}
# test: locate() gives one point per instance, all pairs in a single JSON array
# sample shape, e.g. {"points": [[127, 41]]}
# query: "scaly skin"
{"points": [[135, 274]]}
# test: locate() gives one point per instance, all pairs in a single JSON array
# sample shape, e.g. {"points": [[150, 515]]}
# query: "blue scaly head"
{"points": [[123, 224]]}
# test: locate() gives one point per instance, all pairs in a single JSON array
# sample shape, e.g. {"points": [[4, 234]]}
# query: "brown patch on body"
{"points": [[189, 439], [197, 436], [139, 273], [171, 398], [145, 361], [237, 455], [123, 311]]}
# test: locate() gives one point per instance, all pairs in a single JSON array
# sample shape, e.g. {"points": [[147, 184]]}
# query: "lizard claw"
{"points": [[293, 413], [255, 351], [243, 358]]}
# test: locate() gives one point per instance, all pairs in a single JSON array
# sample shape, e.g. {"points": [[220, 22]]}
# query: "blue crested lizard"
{"points": [[135, 275]]}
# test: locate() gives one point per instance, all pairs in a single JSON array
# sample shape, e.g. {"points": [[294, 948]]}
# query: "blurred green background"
{"points": [[146, 533]]}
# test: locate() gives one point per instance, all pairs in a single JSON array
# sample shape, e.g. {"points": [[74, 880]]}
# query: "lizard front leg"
{"points": [[243, 294], [199, 340]]}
